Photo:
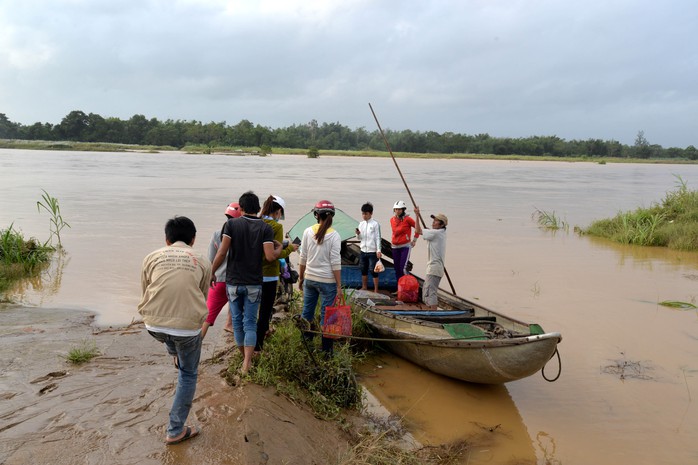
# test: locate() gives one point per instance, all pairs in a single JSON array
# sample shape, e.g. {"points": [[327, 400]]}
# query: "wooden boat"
{"points": [[462, 339]]}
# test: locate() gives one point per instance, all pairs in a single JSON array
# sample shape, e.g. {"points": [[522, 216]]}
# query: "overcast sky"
{"points": [[511, 68]]}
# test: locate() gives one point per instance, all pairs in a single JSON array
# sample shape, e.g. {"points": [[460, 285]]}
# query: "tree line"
{"points": [[139, 130]]}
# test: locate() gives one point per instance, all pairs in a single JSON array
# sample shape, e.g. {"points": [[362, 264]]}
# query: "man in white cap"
{"points": [[436, 255]]}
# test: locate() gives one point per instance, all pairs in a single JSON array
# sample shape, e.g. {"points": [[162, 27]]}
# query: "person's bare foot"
{"points": [[363, 289], [245, 369]]}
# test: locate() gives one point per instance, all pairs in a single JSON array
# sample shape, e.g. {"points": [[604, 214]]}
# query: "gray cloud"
{"points": [[578, 70]]}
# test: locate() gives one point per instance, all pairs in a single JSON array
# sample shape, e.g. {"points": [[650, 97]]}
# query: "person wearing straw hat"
{"points": [[436, 255]]}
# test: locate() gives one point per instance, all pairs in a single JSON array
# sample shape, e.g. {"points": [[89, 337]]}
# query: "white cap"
{"points": [[281, 203]]}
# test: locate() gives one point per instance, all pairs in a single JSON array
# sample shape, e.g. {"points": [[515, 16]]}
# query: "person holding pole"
{"points": [[436, 255]]}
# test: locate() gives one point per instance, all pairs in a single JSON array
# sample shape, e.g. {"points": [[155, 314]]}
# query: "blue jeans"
{"points": [[187, 349], [244, 303], [312, 291]]}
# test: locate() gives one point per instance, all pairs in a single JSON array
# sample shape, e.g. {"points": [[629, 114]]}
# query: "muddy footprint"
{"points": [[47, 388], [52, 375]]}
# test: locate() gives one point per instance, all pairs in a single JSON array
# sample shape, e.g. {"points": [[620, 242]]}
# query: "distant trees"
{"points": [[641, 147], [78, 126], [8, 129]]}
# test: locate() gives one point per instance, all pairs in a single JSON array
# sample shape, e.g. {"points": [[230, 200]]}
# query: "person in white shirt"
{"points": [[369, 233], [436, 255], [320, 267]]}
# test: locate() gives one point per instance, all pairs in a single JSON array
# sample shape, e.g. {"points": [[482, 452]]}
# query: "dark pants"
{"points": [[266, 309], [367, 262], [400, 257]]}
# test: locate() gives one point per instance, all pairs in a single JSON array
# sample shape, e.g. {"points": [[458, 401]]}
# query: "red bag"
{"points": [[337, 319], [408, 289]]}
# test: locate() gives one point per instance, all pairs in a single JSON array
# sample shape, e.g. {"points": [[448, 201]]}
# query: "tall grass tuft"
{"points": [[50, 204], [549, 220], [672, 223], [83, 353]]}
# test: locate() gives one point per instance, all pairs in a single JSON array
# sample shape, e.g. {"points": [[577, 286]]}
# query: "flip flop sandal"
{"points": [[190, 433]]}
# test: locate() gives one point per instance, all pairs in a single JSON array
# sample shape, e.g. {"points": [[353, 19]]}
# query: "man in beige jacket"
{"points": [[175, 282]]}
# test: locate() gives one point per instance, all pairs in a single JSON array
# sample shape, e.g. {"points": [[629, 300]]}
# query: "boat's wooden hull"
{"points": [[490, 361]]}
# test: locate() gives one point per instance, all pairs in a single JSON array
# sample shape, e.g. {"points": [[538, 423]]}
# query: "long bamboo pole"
{"points": [[419, 215]]}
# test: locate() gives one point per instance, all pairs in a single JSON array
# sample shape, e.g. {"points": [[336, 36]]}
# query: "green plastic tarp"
{"points": [[344, 224]]}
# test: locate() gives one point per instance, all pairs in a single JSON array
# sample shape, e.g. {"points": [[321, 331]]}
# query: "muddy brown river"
{"points": [[628, 392]]}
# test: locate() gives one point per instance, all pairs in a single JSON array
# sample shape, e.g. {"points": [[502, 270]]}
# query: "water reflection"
{"points": [[439, 410], [646, 257], [44, 283]]}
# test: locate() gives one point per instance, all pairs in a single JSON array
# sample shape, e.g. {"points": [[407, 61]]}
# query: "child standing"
{"points": [[369, 233]]}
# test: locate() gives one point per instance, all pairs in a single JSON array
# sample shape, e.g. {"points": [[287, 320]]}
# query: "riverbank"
{"points": [[114, 409], [256, 151]]}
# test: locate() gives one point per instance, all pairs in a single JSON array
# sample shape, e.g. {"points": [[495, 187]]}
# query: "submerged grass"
{"points": [[549, 220], [678, 304], [20, 257], [671, 223], [380, 449]]}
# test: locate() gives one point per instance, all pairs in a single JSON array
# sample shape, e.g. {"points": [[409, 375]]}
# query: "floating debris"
{"points": [[677, 304], [628, 369]]}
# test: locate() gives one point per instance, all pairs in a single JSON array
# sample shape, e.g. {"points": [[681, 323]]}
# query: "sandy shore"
{"points": [[114, 409]]}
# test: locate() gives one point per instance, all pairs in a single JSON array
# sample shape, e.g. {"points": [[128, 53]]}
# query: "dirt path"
{"points": [[113, 409]]}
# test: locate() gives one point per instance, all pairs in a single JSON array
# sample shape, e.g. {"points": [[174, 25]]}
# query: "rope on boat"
{"points": [[559, 367]]}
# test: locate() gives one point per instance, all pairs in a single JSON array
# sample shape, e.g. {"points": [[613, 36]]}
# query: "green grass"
{"points": [[671, 223], [327, 384], [80, 146], [50, 204], [549, 220], [240, 150], [678, 304], [20, 257], [82, 353]]}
